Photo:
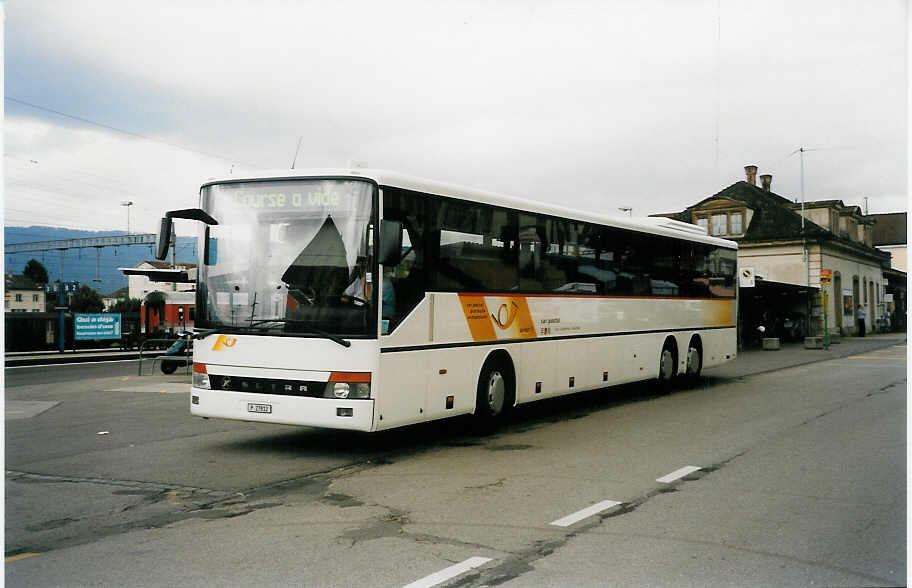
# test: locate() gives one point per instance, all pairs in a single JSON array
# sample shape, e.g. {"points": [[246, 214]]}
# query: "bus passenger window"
{"points": [[477, 248]]}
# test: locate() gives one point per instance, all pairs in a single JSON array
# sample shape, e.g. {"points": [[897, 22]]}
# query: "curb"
{"points": [[75, 358]]}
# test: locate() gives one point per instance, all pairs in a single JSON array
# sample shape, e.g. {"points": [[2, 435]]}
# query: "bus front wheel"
{"points": [[495, 393]]}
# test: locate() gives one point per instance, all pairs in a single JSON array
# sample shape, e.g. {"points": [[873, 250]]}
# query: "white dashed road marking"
{"points": [[585, 513], [449, 573], [677, 474]]}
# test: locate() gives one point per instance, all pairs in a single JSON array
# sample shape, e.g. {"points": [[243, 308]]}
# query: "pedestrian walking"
{"points": [[861, 321]]}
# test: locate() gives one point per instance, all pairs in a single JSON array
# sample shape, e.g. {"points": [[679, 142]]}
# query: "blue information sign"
{"points": [[97, 326]]}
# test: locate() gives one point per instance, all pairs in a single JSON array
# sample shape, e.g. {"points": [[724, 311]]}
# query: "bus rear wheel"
{"points": [[495, 393], [694, 365]]}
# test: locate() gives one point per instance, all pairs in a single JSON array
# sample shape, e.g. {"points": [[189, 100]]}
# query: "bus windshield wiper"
{"points": [[311, 331]]}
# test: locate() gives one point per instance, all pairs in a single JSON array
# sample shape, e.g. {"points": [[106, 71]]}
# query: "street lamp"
{"points": [[128, 204]]}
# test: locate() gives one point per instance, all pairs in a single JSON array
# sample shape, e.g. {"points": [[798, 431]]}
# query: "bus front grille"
{"points": [[267, 386]]}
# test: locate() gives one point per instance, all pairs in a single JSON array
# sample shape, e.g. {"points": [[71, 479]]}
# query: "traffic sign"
{"points": [[746, 277]]}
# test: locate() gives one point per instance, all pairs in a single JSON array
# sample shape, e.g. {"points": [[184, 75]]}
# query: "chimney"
{"points": [[751, 171], [765, 181]]}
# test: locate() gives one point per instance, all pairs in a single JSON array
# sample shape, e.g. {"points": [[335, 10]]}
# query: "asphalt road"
{"points": [[72, 372], [800, 479]]}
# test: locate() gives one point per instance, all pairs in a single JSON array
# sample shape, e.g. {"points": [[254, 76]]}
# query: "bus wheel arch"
{"points": [[694, 359], [496, 392]]}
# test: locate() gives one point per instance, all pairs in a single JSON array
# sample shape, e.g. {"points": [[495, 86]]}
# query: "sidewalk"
{"points": [[758, 361]]}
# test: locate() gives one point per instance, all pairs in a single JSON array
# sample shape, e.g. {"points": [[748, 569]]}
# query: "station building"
{"points": [[783, 246], [174, 286]]}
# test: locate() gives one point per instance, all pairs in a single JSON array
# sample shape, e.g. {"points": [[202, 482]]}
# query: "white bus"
{"points": [[366, 300]]}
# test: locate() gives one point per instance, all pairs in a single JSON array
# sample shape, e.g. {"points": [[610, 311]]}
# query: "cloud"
{"points": [[587, 104]]}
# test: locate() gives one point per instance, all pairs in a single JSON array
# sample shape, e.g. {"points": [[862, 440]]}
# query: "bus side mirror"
{"points": [[163, 238], [390, 250]]}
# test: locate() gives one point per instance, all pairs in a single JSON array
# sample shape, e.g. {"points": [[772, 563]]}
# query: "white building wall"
{"points": [[784, 263], [820, 216], [848, 267], [140, 286], [898, 253], [27, 302]]}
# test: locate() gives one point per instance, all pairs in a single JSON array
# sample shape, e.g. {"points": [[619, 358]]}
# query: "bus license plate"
{"points": [[259, 408]]}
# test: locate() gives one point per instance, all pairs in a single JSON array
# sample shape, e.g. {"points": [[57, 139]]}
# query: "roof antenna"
{"points": [[298, 148]]}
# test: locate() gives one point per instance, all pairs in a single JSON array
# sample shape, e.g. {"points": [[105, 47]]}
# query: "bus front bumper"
{"points": [[355, 415]]}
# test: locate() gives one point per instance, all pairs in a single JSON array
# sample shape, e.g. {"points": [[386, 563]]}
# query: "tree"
{"points": [[86, 300], [125, 305], [35, 272]]}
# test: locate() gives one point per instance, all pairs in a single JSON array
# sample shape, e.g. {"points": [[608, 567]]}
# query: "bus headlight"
{"points": [[345, 390], [348, 385], [200, 376]]}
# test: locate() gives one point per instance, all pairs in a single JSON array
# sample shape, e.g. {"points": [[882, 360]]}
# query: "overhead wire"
{"points": [[124, 131]]}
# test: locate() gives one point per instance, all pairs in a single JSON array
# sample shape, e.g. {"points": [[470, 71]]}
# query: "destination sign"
{"points": [[334, 195]]}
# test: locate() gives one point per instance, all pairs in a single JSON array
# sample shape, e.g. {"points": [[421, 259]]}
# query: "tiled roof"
{"points": [[774, 217], [890, 228], [20, 282]]}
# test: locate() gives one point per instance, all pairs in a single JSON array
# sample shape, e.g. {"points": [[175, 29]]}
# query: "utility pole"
{"points": [[127, 204], [804, 245], [173, 256], [61, 306]]}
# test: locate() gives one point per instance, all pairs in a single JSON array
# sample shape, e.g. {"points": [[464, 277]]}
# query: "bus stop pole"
{"points": [[62, 323]]}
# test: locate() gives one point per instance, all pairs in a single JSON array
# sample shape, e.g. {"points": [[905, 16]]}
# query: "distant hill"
{"points": [[82, 265]]}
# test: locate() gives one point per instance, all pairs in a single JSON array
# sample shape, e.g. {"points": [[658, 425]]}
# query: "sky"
{"points": [[647, 104]]}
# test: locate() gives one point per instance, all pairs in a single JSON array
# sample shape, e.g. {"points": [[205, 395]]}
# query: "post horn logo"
{"points": [[223, 342], [506, 315]]}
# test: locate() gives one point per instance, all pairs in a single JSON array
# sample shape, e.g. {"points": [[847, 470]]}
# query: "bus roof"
{"points": [[655, 225]]}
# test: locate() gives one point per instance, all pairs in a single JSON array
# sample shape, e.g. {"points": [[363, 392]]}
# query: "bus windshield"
{"points": [[288, 257]]}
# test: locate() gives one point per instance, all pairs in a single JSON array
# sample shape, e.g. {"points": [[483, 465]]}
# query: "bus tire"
{"points": [[496, 391], [168, 367], [667, 366], [694, 361]]}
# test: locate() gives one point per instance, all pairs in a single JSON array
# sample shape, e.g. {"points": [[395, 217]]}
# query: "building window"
{"points": [[34, 298], [719, 222], [736, 224], [18, 297], [703, 222]]}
